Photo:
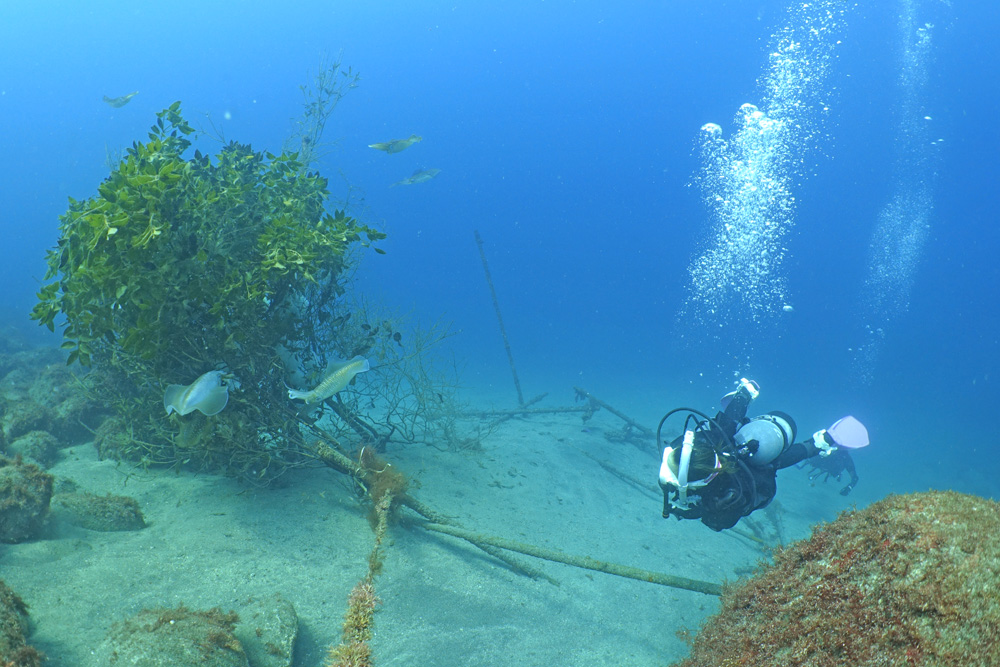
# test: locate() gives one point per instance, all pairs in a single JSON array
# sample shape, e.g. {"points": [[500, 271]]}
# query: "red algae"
{"points": [[911, 580]]}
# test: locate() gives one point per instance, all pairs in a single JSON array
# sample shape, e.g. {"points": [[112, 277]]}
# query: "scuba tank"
{"points": [[764, 438]]}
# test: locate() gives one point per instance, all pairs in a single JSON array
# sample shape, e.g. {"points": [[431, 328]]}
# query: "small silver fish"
{"points": [[117, 102], [208, 395], [396, 145], [338, 375], [419, 176]]}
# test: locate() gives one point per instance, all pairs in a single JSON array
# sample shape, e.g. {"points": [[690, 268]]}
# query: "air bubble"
{"points": [[903, 224], [747, 180], [712, 129]]}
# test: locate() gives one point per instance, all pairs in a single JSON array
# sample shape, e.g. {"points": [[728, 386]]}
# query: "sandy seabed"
{"points": [[213, 541]]}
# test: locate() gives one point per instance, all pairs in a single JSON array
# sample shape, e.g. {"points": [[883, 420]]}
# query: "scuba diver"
{"points": [[723, 468], [834, 465]]}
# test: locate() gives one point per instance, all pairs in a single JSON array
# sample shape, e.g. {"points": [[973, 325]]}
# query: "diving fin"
{"points": [[849, 432]]}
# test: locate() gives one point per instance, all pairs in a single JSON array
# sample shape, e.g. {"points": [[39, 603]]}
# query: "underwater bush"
{"points": [[179, 266]]}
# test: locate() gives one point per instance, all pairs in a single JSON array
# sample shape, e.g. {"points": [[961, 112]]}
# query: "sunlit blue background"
{"points": [[565, 132]]}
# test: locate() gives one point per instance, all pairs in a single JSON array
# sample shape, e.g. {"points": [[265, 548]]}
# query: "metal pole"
{"points": [[496, 306]]}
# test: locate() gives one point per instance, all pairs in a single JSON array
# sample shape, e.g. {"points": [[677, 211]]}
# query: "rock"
{"points": [[39, 447], [14, 650], [910, 580], [268, 629], [8, 362], [15, 383], [103, 513], [33, 375], [25, 492], [21, 417], [172, 637], [76, 419], [52, 385], [41, 393], [113, 440]]}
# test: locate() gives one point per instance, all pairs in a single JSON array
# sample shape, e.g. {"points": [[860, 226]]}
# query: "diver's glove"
{"points": [[824, 443], [748, 389], [847, 489], [817, 472]]}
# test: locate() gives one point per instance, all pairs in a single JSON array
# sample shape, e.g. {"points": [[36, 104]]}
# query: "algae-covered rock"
{"points": [[911, 580], [16, 382], [51, 384], [103, 513], [75, 419], [73, 412], [19, 413], [40, 393], [25, 492], [171, 637], [268, 628], [23, 374], [14, 650], [39, 447], [24, 416], [113, 439]]}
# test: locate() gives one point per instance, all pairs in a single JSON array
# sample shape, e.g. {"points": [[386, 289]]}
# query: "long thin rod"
{"points": [[492, 545], [585, 562], [341, 463], [496, 306], [527, 411], [625, 418]]}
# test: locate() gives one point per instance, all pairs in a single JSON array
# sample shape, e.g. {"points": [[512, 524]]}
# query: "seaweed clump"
{"points": [[180, 265], [910, 581]]}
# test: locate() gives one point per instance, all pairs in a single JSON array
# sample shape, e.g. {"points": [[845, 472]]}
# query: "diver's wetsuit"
{"points": [[834, 465], [735, 494]]}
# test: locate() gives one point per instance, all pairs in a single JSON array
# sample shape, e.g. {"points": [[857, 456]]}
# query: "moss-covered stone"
{"points": [[16, 381], [40, 447], [76, 418], [52, 384], [14, 650], [113, 438], [38, 393], [23, 416], [25, 492], [268, 628], [103, 513], [911, 580], [21, 370], [170, 637]]}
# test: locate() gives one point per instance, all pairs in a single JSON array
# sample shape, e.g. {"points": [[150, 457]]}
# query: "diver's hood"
{"points": [[773, 432]]}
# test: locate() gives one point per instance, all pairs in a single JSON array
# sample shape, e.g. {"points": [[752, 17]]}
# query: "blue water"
{"points": [[567, 134]]}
